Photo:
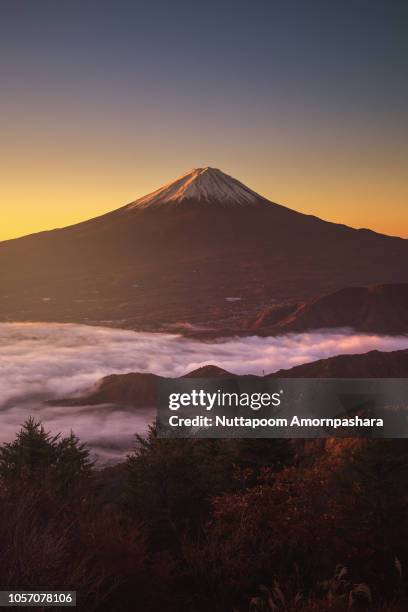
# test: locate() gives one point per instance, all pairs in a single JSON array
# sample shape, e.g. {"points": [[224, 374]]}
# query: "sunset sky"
{"points": [[102, 102]]}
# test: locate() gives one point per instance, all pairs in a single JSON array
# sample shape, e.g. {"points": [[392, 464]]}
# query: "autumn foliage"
{"points": [[207, 525]]}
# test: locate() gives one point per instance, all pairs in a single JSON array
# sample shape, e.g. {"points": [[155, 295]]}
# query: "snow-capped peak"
{"points": [[201, 185]]}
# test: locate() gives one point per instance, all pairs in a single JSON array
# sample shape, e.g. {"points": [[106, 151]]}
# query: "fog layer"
{"points": [[41, 361]]}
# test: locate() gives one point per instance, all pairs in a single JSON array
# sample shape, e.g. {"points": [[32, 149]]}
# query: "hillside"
{"points": [[136, 389], [379, 309], [374, 364]]}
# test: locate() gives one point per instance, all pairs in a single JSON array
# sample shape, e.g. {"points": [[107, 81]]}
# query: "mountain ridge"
{"points": [[139, 389], [376, 308]]}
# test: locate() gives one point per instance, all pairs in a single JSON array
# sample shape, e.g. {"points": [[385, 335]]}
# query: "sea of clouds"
{"points": [[41, 361]]}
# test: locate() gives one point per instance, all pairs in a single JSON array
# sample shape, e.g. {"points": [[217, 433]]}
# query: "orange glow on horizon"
{"points": [[51, 198]]}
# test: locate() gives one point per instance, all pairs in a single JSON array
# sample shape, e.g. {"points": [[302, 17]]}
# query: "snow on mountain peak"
{"points": [[201, 185]]}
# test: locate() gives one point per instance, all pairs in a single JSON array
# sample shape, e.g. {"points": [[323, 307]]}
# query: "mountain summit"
{"points": [[201, 185], [202, 251]]}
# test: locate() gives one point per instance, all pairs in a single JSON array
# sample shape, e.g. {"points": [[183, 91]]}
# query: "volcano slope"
{"points": [[204, 249]]}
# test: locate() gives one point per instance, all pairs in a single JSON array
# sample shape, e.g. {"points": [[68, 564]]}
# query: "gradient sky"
{"points": [[304, 101]]}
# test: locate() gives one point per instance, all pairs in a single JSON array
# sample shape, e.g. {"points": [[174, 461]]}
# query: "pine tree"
{"points": [[31, 453], [72, 459], [36, 454]]}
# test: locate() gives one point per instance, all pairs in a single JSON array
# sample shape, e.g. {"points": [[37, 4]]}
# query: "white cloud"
{"points": [[41, 361]]}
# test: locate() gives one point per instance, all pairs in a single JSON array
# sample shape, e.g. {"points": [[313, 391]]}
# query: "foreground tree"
{"points": [[35, 454]]}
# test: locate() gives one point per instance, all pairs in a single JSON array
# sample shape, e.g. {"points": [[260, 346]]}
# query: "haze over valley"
{"points": [[204, 305], [201, 271], [43, 362]]}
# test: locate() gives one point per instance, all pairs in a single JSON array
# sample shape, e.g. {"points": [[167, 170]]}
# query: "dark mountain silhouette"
{"points": [[136, 389], [208, 371], [203, 249], [375, 364], [379, 309], [133, 389]]}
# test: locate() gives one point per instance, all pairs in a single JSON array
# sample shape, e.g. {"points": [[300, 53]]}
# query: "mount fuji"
{"points": [[202, 252], [204, 186]]}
